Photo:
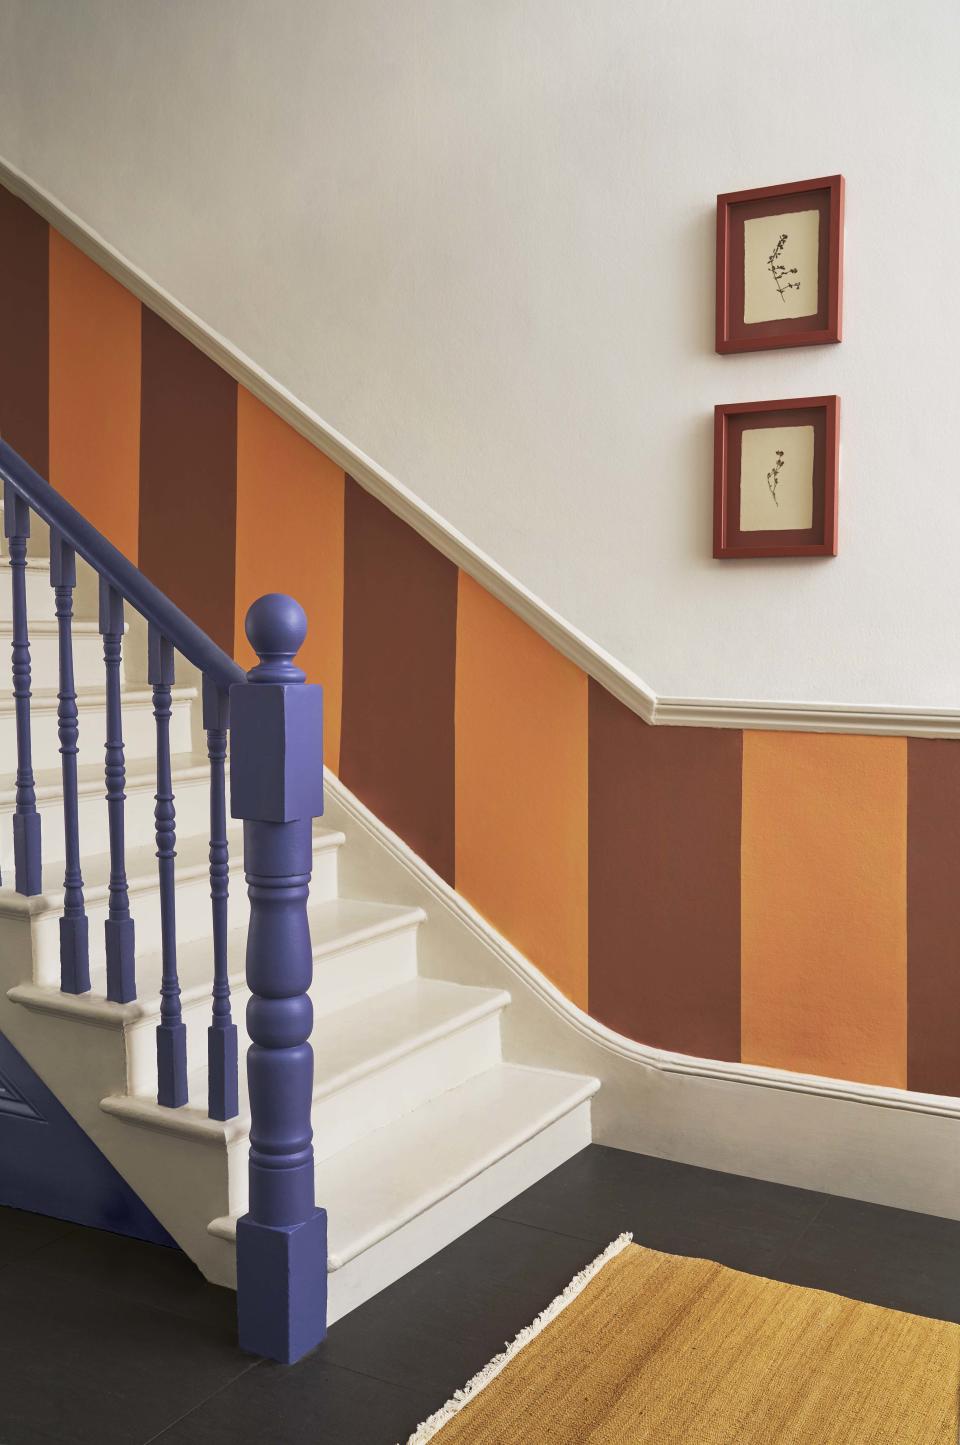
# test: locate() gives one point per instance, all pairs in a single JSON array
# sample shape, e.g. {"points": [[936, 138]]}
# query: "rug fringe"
{"points": [[455, 1404]]}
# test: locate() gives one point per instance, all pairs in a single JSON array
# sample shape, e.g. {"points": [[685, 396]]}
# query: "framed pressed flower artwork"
{"points": [[779, 266], [775, 478]]}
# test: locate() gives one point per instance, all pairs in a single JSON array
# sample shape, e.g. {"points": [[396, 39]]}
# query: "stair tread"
{"points": [[349, 1043], [377, 1185], [141, 865]]}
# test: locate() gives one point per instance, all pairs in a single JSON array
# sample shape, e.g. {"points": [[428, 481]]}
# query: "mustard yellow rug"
{"points": [[644, 1346]]}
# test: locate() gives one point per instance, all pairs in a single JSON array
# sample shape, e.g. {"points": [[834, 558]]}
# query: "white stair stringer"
{"points": [[421, 1127]]}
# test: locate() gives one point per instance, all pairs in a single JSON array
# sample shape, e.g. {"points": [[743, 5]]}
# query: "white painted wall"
{"points": [[478, 238]]}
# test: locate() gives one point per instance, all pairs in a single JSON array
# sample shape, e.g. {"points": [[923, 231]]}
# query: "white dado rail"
{"points": [[622, 682]]}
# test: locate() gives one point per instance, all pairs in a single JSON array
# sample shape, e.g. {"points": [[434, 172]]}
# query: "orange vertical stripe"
{"points": [[521, 787], [95, 394], [824, 981], [290, 539]]}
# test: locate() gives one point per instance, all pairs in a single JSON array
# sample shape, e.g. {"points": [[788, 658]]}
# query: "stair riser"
{"points": [[193, 912], [420, 1239], [39, 595], [399, 1088], [356, 973], [139, 731], [45, 657], [193, 816], [364, 970]]}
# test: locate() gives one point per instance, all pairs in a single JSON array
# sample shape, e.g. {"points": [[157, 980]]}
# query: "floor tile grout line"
{"points": [[377, 1379], [327, 1364], [788, 1249], [37, 1249], [592, 1239], [254, 1364]]}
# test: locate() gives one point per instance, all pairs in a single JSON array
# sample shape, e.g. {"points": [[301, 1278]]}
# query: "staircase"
{"points": [[420, 1126]]}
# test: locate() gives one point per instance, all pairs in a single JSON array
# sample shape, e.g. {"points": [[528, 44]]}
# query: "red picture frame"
{"points": [[821, 414], [734, 209]]}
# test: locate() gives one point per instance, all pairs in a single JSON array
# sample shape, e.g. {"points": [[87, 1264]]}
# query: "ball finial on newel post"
{"points": [[276, 626]]}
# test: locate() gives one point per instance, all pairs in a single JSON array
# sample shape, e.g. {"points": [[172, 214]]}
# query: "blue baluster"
{"points": [[171, 1030], [26, 819], [223, 1082], [276, 786], [118, 929], [74, 951]]}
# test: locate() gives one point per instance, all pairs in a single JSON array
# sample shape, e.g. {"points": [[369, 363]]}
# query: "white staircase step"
{"points": [[192, 872], [373, 1062], [382, 1058], [398, 1195], [359, 949], [45, 651], [191, 783], [139, 727]]}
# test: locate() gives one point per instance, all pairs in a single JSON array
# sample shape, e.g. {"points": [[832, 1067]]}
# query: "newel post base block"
{"points": [[282, 1287]]}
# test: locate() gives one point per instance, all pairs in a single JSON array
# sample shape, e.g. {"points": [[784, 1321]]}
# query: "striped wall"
{"points": [[781, 898]]}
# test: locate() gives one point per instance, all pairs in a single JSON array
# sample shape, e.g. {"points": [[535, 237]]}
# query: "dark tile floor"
{"points": [[106, 1341]]}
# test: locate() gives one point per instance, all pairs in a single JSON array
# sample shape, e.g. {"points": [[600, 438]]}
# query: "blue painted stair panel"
{"points": [[48, 1165]]}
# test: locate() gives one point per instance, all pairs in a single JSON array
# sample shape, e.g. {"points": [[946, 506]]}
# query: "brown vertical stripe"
{"points": [[188, 478], [24, 330], [933, 915], [664, 881], [400, 635]]}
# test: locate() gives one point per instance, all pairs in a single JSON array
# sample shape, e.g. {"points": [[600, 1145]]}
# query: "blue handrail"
{"points": [[129, 581]]}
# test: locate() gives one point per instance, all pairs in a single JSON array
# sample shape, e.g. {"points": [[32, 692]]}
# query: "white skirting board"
{"points": [[885, 1145]]}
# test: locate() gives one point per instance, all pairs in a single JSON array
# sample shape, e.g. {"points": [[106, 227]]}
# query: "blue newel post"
{"points": [[276, 785]]}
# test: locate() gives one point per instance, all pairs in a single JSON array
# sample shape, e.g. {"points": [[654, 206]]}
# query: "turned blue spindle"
{"points": [[276, 786], [118, 928], [223, 1071], [26, 819], [171, 1030], [74, 949]]}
